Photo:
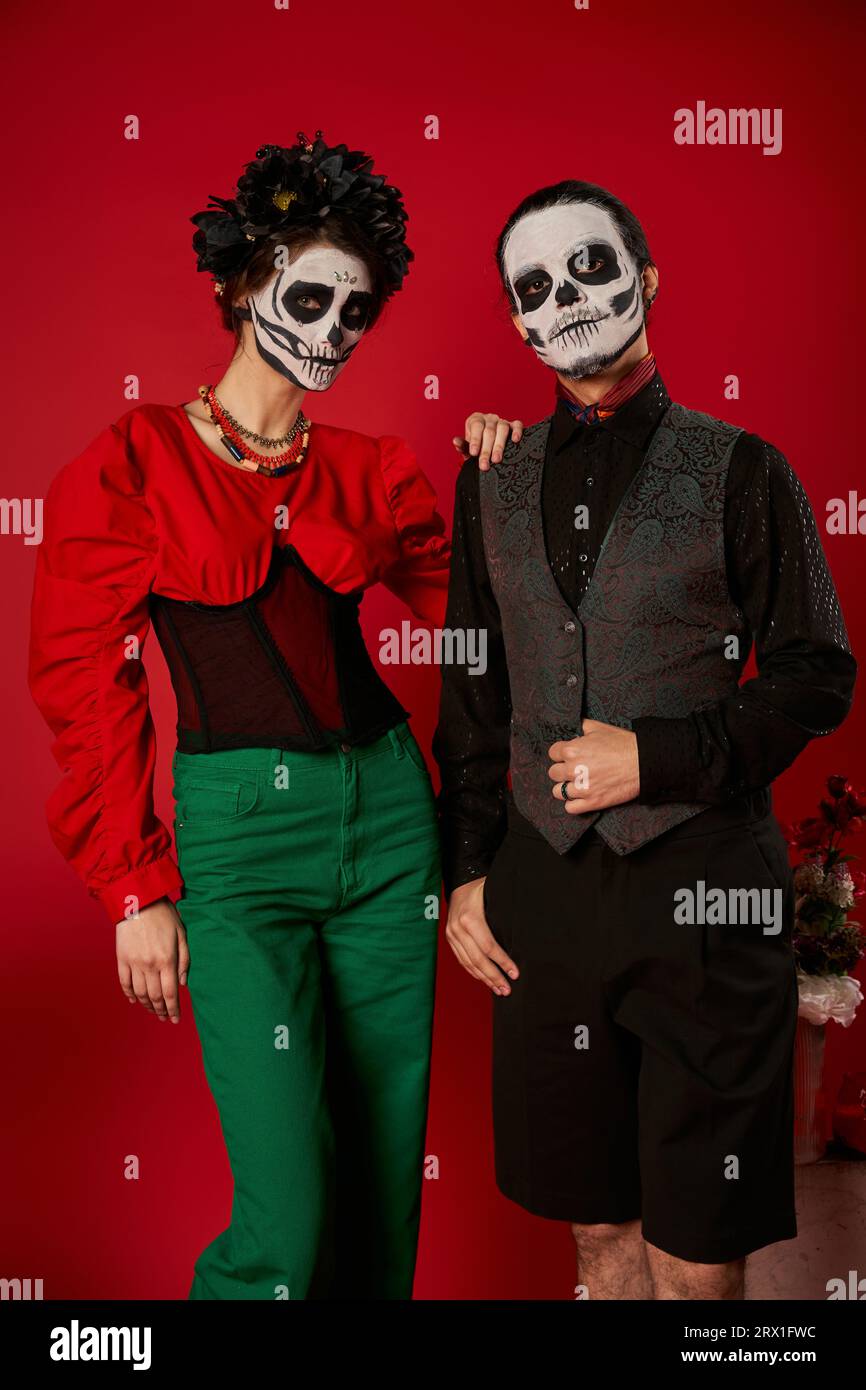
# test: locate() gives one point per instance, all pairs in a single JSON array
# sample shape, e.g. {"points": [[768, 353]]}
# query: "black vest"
{"points": [[652, 634]]}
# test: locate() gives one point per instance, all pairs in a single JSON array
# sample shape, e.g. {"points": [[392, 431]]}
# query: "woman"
{"points": [[305, 824]]}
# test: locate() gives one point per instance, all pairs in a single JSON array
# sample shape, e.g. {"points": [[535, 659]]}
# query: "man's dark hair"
{"points": [[576, 191]]}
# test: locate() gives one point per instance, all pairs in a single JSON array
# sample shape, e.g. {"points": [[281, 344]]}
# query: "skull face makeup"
{"points": [[576, 287], [309, 318]]}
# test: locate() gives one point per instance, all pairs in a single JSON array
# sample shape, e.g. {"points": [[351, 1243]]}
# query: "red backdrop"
{"points": [[760, 262]]}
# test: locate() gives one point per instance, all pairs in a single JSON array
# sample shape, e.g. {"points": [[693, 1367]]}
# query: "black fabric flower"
{"points": [[295, 186], [219, 243]]}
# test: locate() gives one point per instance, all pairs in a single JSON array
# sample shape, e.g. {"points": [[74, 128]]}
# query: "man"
{"points": [[629, 899]]}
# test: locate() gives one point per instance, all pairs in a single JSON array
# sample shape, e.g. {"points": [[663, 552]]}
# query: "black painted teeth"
{"points": [[581, 330]]}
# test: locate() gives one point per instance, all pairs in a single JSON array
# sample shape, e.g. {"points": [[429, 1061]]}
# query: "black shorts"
{"points": [[643, 1066]]}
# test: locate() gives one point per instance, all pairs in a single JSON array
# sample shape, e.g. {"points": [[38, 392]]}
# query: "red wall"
{"points": [[760, 261]]}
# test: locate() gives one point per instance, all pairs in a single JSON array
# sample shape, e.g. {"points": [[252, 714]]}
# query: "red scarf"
{"points": [[623, 390]]}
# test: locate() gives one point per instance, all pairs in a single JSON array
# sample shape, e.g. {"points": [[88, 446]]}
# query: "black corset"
{"points": [[286, 667]]}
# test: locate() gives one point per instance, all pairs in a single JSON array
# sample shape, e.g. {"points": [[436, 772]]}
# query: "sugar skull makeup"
{"points": [[309, 318], [576, 287]]}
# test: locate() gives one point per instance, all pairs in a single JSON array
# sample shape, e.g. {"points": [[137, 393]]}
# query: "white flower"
{"points": [[823, 997], [839, 887], [809, 877]]}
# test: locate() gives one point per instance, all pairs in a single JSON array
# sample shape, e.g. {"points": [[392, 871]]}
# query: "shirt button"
{"points": [[569, 626], [572, 680], [583, 559], [590, 481], [346, 747]]}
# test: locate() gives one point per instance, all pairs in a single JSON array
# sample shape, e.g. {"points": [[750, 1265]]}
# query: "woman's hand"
{"points": [[487, 436], [152, 956], [472, 941]]}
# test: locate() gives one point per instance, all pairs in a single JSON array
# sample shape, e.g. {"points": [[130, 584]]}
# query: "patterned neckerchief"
{"points": [[622, 391]]}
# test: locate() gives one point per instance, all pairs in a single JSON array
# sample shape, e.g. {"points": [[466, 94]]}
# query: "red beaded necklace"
{"points": [[292, 457]]}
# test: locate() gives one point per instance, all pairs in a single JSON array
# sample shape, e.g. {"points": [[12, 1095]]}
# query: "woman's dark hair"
{"points": [[576, 191], [332, 230]]}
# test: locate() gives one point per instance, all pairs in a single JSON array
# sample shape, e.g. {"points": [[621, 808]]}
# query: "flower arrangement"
{"points": [[827, 943], [297, 185]]}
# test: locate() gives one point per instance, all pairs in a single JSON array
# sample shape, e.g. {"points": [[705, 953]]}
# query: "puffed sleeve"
{"points": [[419, 575], [89, 621]]}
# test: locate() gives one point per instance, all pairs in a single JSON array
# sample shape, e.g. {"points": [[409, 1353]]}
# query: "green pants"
{"points": [[311, 899]]}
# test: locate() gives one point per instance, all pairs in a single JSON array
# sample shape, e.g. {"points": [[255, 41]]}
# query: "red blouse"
{"points": [[147, 507]]}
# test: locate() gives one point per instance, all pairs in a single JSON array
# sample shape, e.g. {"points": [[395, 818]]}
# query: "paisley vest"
{"points": [[652, 634]]}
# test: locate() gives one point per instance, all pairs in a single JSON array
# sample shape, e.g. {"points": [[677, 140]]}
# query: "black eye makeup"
{"points": [[307, 301], [532, 288], [594, 264], [356, 310]]}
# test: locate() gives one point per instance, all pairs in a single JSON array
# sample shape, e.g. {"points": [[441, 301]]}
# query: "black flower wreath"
{"points": [[296, 186]]}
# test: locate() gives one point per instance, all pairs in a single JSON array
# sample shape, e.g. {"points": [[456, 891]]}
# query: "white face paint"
{"points": [[577, 289], [309, 317]]}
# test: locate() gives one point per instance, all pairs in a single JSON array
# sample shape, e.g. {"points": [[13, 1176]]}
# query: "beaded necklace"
{"points": [[230, 432]]}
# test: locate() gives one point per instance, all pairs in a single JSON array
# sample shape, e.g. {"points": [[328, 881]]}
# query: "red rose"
{"points": [[831, 810], [838, 786], [809, 833], [843, 816]]}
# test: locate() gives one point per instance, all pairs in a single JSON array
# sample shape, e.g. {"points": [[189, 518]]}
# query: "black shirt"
{"points": [[777, 575]]}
